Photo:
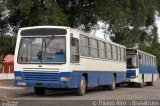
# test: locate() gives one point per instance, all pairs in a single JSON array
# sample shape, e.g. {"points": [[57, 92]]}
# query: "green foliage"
{"points": [[7, 45], [3, 20], [80, 13], [35, 12], [1, 8], [127, 19], [153, 47], [158, 6]]}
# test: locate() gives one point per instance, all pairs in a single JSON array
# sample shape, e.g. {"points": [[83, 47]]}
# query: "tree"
{"points": [[127, 19], [80, 13], [7, 45], [1, 57], [35, 12], [3, 19]]}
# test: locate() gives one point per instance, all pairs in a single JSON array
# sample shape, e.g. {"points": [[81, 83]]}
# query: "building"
{"points": [[7, 69]]}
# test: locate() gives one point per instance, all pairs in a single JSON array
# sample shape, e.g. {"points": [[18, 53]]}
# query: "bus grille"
{"points": [[40, 76]]}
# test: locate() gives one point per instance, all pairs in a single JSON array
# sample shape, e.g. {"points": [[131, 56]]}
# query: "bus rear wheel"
{"points": [[113, 85], [82, 88], [150, 83], [39, 91], [141, 84]]}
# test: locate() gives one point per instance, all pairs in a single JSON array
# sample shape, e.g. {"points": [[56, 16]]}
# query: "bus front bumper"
{"points": [[47, 80], [57, 84]]}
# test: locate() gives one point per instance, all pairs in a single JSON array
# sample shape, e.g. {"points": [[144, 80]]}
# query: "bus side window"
{"points": [[140, 58], [74, 50], [108, 51]]}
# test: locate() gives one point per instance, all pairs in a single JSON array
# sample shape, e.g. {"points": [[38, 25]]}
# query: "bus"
{"points": [[141, 68], [58, 57]]}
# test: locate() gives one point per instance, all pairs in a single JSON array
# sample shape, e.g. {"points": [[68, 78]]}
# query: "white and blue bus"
{"points": [[141, 68], [56, 57]]}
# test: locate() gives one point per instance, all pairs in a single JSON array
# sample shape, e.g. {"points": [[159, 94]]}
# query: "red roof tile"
{"points": [[9, 58]]}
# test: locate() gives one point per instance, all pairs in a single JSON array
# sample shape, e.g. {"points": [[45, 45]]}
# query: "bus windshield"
{"points": [[42, 50], [132, 61]]}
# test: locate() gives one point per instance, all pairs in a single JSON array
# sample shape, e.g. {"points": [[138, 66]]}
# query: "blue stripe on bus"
{"points": [[52, 80], [147, 69]]}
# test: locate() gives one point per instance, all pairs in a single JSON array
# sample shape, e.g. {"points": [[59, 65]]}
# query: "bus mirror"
{"points": [[139, 56], [73, 41]]}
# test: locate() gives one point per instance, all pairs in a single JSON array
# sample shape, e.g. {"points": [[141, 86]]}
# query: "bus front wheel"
{"points": [[113, 85], [39, 91], [82, 88], [141, 84]]}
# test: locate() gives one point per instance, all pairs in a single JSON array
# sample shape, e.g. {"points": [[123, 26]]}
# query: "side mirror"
{"points": [[73, 41]]}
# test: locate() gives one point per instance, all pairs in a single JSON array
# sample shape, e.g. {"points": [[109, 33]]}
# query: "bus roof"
{"points": [[81, 32], [141, 52], [32, 27]]}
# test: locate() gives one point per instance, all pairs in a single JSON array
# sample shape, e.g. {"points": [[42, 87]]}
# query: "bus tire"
{"points": [[105, 87], [39, 91], [83, 85], [141, 84], [151, 83], [118, 85], [113, 85], [130, 84]]}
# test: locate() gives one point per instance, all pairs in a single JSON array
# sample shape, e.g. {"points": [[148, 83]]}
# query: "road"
{"points": [[121, 93]]}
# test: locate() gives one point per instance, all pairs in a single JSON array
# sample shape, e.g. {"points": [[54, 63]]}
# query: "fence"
{"points": [[7, 71]]}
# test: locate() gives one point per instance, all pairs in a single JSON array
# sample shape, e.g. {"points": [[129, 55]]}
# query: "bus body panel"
{"points": [[147, 69], [52, 80]]}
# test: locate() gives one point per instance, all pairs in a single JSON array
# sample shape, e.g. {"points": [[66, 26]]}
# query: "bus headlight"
{"points": [[18, 78], [65, 78]]}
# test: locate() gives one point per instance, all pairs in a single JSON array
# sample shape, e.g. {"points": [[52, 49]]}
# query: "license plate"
{"points": [[21, 83]]}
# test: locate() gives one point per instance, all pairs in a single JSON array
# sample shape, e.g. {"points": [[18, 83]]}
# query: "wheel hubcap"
{"points": [[83, 85], [113, 82]]}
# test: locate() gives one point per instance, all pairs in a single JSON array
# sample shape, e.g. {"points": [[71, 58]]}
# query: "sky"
{"points": [[99, 32]]}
